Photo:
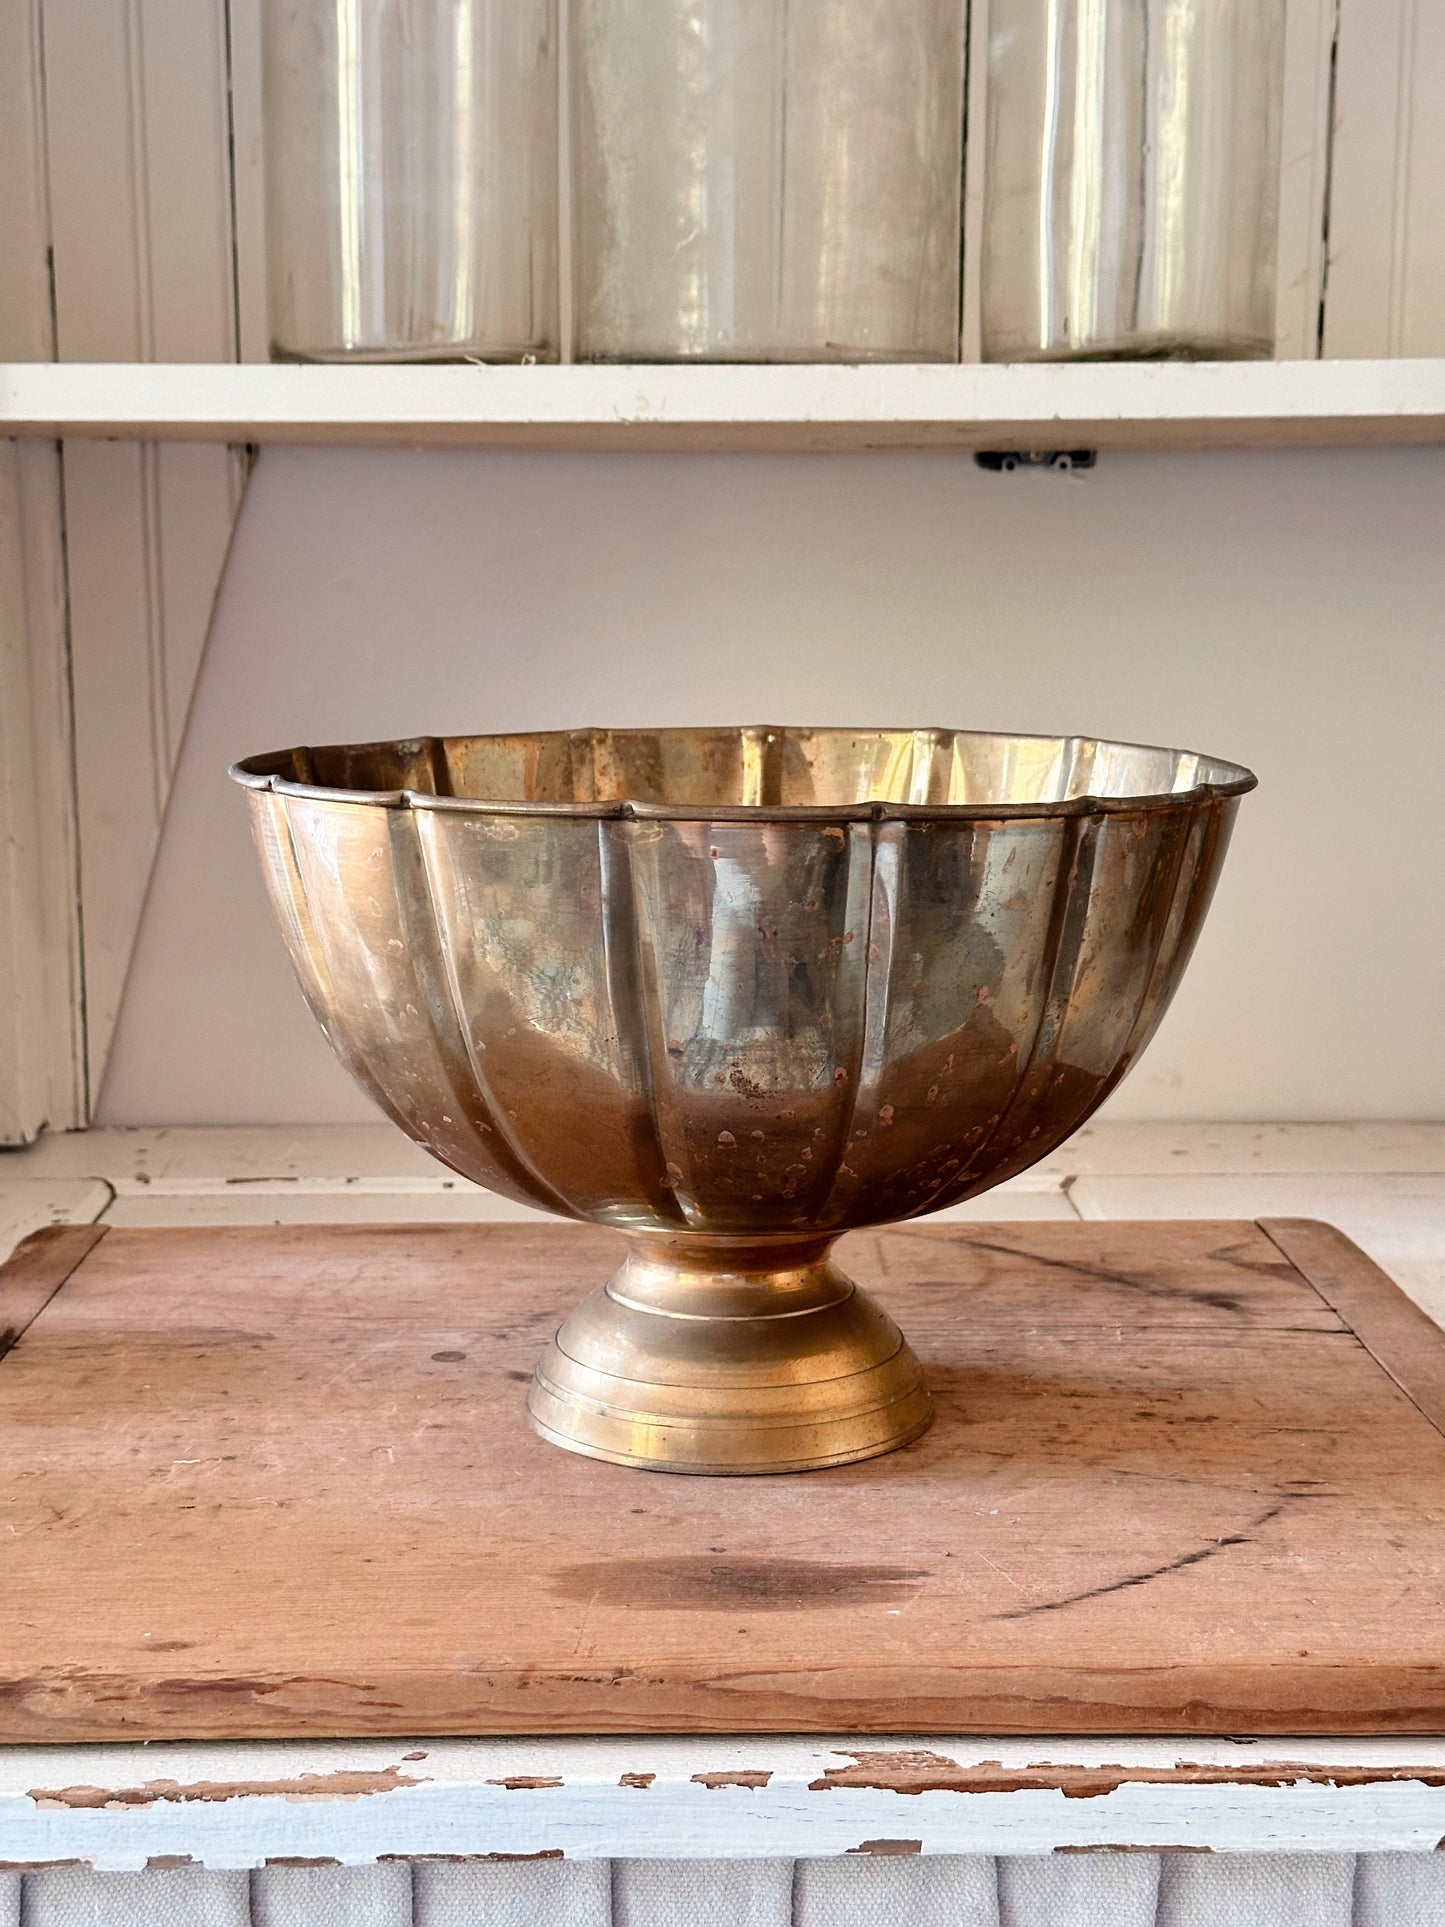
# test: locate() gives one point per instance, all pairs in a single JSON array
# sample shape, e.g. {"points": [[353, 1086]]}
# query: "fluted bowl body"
{"points": [[749, 983]]}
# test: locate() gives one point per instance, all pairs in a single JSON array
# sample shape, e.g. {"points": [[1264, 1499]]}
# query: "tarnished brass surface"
{"points": [[734, 992]]}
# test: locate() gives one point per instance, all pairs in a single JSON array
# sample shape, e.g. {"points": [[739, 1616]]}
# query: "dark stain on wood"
{"points": [[748, 1777], [730, 1585], [914, 1770], [526, 1782], [888, 1848], [168, 1862], [343, 1785], [637, 1779], [300, 1860]]}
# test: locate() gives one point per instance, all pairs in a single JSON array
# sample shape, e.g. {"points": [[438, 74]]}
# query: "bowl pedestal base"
{"points": [[729, 1355]]}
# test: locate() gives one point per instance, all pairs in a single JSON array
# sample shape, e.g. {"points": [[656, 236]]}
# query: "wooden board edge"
{"points": [[1407, 1344], [1289, 1700], [36, 1270]]}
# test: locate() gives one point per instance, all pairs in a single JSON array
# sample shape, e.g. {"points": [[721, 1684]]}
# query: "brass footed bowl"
{"points": [[733, 992]]}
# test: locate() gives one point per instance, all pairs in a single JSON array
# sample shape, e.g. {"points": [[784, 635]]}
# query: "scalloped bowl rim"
{"points": [[258, 772]]}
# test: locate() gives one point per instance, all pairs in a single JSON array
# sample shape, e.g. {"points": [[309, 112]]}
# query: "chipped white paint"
{"points": [[1384, 1184], [233, 1156], [29, 1204], [341, 1157], [371, 1205], [1108, 1149], [456, 1805], [457, 1203], [362, 1172]]}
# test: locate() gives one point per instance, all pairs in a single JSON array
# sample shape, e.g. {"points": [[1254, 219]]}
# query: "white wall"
{"points": [[1282, 609]]}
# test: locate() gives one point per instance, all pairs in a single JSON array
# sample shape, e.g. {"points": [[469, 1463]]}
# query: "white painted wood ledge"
{"points": [[357, 1802], [1094, 405]]}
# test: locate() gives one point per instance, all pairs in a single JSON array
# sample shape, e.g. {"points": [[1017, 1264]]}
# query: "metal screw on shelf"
{"points": [[1003, 461]]}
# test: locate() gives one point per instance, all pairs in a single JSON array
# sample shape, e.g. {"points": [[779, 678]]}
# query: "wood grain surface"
{"points": [[36, 1270], [277, 1481], [1393, 1329]]}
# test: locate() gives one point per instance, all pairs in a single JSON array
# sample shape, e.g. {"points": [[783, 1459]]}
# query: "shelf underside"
{"points": [[1297, 404]]}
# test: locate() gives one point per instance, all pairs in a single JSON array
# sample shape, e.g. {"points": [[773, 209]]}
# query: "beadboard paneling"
{"points": [[139, 142], [41, 1034], [1386, 287]]}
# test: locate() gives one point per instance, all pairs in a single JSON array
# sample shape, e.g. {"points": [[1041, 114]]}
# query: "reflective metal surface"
{"points": [[733, 992], [1131, 183], [756, 182]]}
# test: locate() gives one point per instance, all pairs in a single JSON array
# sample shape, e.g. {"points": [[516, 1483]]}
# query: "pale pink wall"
{"points": [[1285, 610]]}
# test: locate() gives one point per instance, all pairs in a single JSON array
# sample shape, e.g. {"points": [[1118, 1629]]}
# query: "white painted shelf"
{"points": [[1286, 404]]}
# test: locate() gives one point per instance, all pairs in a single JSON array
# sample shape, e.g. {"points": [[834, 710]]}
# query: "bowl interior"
{"points": [[755, 767]]}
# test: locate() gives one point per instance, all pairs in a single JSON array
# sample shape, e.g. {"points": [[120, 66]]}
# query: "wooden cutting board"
{"points": [[278, 1481]]}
